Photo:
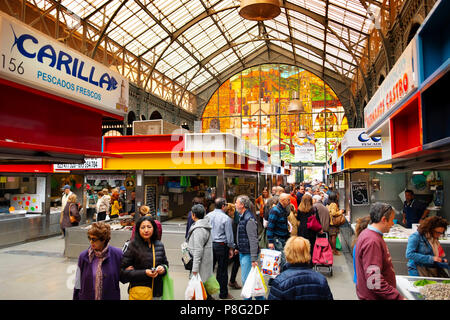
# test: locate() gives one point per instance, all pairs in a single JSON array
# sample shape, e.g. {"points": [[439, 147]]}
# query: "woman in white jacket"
{"points": [[103, 204]]}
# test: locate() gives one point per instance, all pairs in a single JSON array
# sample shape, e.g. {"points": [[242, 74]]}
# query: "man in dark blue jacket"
{"points": [[277, 230], [298, 281]]}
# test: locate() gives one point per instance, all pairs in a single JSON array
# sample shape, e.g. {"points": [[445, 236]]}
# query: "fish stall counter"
{"points": [[397, 241], [21, 226], [76, 239], [423, 288]]}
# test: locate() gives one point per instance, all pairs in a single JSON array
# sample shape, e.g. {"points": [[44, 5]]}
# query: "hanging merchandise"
{"points": [[185, 182], [419, 181], [161, 181]]}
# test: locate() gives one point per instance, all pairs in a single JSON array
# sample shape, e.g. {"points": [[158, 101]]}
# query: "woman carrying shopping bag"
{"points": [[144, 263], [200, 245]]}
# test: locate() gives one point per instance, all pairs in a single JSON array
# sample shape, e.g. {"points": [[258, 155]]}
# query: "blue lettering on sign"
{"points": [[63, 61], [363, 138]]}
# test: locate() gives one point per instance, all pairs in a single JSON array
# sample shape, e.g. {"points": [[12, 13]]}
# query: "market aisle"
{"points": [[39, 271]]}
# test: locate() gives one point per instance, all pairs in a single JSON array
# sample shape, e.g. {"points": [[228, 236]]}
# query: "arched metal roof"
{"points": [[193, 42]]}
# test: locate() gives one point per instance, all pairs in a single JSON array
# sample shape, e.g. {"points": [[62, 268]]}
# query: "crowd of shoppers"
{"points": [[229, 234]]}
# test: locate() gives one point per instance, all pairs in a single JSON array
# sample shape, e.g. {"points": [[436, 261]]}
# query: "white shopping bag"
{"points": [[270, 262], [195, 289], [254, 286]]}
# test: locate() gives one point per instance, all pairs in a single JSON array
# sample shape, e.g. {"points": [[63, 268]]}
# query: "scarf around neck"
{"points": [[101, 255]]}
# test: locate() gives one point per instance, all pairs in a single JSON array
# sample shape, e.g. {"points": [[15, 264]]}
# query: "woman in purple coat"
{"points": [[98, 269]]}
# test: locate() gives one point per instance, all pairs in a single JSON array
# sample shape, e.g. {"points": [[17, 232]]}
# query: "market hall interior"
{"points": [[41, 272]]}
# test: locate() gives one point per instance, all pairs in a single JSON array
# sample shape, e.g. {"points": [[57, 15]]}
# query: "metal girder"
{"points": [[286, 5], [290, 32], [105, 27], [144, 8], [223, 34], [386, 47]]}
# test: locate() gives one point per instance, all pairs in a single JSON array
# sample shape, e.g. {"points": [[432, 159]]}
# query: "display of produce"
{"points": [[398, 232], [423, 282], [122, 223], [436, 291]]}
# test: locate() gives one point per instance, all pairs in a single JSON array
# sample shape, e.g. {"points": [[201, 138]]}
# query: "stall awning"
{"points": [[28, 153]]}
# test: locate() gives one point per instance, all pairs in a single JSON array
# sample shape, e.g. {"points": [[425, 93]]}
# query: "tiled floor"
{"points": [[38, 271]]}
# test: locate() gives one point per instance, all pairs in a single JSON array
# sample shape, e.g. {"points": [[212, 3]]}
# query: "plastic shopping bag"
{"points": [[195, 289], [254, 286], [168, 293], [270, 262], [212, 285]]}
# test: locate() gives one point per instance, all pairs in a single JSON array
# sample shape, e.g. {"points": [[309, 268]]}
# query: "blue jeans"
{"points": [[246, 265]]}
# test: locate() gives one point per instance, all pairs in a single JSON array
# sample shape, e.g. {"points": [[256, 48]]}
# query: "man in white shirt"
{"points": [[64, 198]]}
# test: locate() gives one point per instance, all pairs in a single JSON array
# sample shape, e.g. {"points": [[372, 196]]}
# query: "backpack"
{"points": [[322, 253]]}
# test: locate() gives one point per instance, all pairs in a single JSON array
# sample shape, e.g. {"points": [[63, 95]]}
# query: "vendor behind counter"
{"points": [[413, 210]]}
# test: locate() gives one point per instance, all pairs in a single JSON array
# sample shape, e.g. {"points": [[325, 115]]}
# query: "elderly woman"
{"points": [[298, 281], [71, 216], [425, 254], [98, 271]]}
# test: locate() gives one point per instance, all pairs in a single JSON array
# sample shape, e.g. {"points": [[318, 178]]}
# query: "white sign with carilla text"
{"points": [[31, 58]]}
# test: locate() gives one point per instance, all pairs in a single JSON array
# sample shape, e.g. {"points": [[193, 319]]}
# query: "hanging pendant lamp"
{"points": [[259, 10], [295, 105]]}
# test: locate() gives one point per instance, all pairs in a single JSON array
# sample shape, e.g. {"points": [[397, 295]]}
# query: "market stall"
{"points": [[173, 169], [421, 288], [76, 240], [397, 241], [25, 210]]}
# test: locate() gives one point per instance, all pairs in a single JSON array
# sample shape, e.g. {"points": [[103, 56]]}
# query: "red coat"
{"points": [[294, 202]]}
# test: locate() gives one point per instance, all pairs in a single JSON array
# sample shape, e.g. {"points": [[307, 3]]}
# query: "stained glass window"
{"points": [[253, 104]]}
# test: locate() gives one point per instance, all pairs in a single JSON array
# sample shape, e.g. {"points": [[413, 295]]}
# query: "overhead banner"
{"points": [[399, 83], [31, 58], [357, 138]]}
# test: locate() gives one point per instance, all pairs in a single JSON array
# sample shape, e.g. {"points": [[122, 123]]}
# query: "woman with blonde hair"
{"points": [[298, 281], [115, 206], [98, 271], [292, 221], [71, 216]]}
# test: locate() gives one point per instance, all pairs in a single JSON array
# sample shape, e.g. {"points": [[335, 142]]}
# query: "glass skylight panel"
{"points": [[245, 37], [206, 51], [314, 6], [228, 18], [194, 7], [221, 64], [315, 59], [163, 67], [167, 7], [224, 4], [180, 17]]}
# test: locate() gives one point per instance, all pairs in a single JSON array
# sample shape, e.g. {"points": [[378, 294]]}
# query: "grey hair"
{"points": [[380, 210], [198, 210], [245, 200]]}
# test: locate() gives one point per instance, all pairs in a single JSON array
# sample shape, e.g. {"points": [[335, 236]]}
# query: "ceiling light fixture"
{"points": [[259, 10], [295, 105]]}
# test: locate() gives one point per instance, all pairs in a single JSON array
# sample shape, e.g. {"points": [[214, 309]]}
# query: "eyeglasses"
{"points": [[92, 239]]}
